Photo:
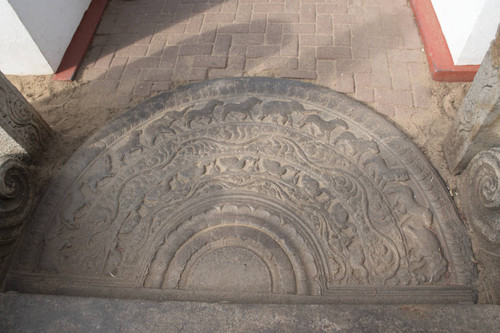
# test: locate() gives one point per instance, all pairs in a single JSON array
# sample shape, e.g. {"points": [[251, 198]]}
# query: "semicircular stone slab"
{"points": [[243, 186]]}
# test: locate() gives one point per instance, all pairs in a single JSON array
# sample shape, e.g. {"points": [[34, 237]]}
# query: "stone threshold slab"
{"points": [[30, 313], [425, 294]]}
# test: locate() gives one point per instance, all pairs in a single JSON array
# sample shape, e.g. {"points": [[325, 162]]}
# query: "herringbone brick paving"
{"points": [[369, 49]]}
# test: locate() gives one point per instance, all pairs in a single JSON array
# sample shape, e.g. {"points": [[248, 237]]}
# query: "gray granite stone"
{"points": [[21, 121], [480, 189], [477, 124], [35, 313], [246, 187], [17, 196]]}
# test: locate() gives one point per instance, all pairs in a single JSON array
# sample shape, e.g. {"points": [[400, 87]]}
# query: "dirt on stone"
{"points": [[428, 129], [72, 122]]}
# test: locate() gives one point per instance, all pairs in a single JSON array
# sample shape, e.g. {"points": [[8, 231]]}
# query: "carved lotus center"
{"points": [[229, 269]]}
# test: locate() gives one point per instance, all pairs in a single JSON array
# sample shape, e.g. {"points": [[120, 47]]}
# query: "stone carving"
{"points": [[477, 125], [312, 189], [325, 128], [16, 202], [207, 113], [416, 223], [480, 187], [261, 232], [21, 121], [244, 108], [281, 111], [484, 194]]}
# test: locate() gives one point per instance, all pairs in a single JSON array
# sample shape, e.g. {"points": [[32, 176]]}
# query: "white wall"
{"points": [[51, 24], [468, 26], [481, 36], [19, 55]]}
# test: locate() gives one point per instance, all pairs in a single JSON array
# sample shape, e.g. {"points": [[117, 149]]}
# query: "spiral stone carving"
{"points": [[481, 200], [482, 195], [250, 185], [16, 201]]}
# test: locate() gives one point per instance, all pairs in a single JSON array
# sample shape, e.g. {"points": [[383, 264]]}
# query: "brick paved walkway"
{"points": [[369, 49]]}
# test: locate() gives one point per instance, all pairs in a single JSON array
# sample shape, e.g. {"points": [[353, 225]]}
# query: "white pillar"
{"points": [[19, 54], [468, 26], [34, 35]]}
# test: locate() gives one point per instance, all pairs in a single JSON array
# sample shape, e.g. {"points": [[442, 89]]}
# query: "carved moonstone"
{"points": [[248, 185], [480, 186]]}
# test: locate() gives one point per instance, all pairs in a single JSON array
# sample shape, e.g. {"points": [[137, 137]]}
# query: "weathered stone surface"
{"points": [[21, 121], [16, 203], [248, 185], [480, 187], [477, 125], [35, 313]]}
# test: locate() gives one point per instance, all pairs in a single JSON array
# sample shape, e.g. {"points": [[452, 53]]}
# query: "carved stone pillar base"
{"points": [[16, 202], [477, 124], [480, 186], [21, 121]]}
